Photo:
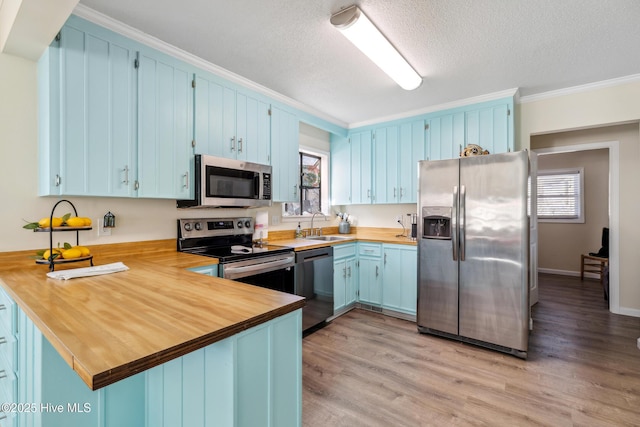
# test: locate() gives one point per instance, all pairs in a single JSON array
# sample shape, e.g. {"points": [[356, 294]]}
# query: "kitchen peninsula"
{"points": [[154, 345]]}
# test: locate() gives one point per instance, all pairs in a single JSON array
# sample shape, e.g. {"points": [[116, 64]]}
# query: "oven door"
{"points": [[273, 272]]}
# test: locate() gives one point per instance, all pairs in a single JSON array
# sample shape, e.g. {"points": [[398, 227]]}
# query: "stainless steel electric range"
{"points": [[230, 240]]}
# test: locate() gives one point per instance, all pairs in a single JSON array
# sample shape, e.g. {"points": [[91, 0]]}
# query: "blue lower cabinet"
{"points": [[399, 278], [209, 270], [253, 378]]}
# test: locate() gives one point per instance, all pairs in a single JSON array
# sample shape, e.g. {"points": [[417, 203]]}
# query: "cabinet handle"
{"points": [[394, 192], [240, 145], [3, 307], [3, 340], [385, 259], [58, 180], [349, 268], [368, 194], [126, 175], [344, 272], [295, 190], [186, 180], [233, 143], [377, 271], [401, 194], [3, 374]]}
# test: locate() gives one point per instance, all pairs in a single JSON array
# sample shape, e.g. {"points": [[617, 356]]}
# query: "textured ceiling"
{"points": [[462, 48]]}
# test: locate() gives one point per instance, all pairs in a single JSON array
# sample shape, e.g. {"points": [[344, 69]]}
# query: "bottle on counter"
{"points": [[298, 232]]}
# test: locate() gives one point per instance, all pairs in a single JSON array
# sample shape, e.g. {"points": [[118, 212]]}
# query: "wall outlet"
{"points": [[275, 219], [101, 230]]}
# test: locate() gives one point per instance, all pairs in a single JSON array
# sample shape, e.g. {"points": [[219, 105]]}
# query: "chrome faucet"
{"points": [[313, 232]]}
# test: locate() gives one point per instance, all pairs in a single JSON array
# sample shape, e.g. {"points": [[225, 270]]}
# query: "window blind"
{"points": [[560, 195]]}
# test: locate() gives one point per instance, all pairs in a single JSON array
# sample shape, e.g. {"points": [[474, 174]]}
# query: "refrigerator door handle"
{"points": [[454, 219], [463, 203]]}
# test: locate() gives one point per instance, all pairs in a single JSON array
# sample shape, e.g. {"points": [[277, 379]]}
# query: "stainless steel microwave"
{"points": [[221, 182]]}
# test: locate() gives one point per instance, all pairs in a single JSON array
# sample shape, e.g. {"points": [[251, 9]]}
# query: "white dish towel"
{"points": [[88, 271]]}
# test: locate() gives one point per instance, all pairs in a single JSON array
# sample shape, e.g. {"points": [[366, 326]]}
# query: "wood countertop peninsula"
{"points": [[113, 326]]}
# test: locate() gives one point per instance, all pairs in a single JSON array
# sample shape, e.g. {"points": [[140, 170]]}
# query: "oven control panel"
{"points": [[214, 227]]}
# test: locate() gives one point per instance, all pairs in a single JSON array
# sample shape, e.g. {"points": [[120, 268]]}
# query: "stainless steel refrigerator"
{"points": [[473, 250]]}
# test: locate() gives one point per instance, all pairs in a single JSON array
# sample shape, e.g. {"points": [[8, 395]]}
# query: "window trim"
{"points": [[325, 187], [564, 171]]}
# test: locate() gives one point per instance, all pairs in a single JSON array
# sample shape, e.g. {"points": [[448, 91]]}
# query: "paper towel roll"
{"points": [[261, 227]]}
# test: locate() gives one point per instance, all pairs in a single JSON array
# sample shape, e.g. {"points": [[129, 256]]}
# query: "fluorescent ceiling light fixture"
{"points": [[355, 26]]}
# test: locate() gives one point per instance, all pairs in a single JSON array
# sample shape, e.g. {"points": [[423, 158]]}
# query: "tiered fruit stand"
{"points": [[51, 260]]}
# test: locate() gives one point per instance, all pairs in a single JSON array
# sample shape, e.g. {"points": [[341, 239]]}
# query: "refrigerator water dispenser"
{"points": [[436, 222]]}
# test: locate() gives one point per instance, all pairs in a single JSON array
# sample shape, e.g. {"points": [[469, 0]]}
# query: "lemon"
{"points": [[87, 221], [47, 253], [84, 251], [44, 222], [76, 221], [72, 253]]}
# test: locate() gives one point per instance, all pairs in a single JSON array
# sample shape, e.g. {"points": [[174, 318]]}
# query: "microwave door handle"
{"points": [[256, 186]]}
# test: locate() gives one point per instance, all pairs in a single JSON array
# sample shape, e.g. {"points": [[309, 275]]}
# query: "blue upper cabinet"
{"points": [[411, 149], [340, 170], [284, 155], [491, 128], [361, 163], [489, 125], [165, 127], [87, 126], [230, 122], [398, 149], [446, 136], [116, 118]]}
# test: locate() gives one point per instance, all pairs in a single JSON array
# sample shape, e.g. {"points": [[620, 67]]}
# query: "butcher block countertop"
{"points": [[110, 327], [358, 234]]}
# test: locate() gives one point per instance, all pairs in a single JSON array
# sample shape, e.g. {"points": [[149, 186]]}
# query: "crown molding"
{"points": [[580, 89], [105, 21], [433, 108]]}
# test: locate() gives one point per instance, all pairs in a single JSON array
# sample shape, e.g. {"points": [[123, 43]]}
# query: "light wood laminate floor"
{"points": [[583, 369]]}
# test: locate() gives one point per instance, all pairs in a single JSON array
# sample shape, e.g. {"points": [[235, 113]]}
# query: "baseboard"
{"points": [[633, 312], [568, 273]]}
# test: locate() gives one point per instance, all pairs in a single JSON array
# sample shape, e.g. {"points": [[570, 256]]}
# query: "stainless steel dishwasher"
{"points": [[314, 281]]}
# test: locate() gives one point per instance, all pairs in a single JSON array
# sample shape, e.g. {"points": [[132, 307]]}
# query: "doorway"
{"points": [[538, 145]]}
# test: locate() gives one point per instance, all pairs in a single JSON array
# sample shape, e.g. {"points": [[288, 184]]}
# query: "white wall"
{"points": [[603, 106]]}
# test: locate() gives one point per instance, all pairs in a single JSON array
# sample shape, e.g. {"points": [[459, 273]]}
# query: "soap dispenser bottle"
{"points": [[298, 232]]}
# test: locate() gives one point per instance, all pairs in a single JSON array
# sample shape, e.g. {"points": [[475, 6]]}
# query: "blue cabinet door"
{"points": [[370, 283], [340, 171], [411, 149], [339, 285], [385, 165], [209, 118], [490, 127], [446, 136], [284, 155], [399, 279], [252, 129], [165, 128], [87, 99], [361, 163]]}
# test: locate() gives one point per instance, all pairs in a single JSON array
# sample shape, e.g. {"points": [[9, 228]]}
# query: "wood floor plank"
{"points": [[583, 368]]}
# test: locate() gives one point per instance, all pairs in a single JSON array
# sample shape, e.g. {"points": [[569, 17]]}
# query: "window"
{"points": [[560, 195], [313, 186]]}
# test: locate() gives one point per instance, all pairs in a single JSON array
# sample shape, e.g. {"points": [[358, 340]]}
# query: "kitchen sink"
{"points": [[327, 238]]}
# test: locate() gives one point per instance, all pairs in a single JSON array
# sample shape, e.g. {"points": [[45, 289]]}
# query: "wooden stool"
{"points": [[593, 264]]}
